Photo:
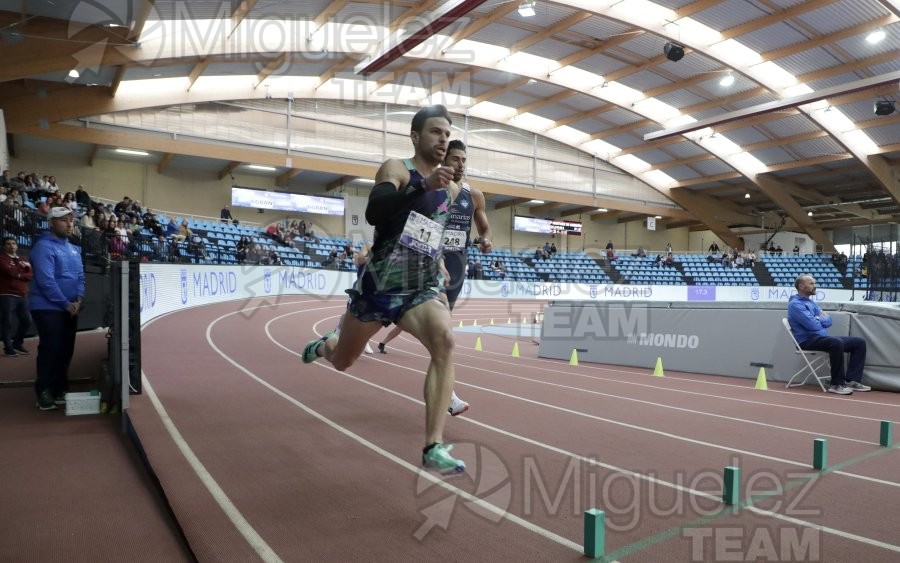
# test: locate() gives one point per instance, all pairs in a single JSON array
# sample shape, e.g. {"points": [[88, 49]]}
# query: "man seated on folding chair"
{"points": [[809, 325]]}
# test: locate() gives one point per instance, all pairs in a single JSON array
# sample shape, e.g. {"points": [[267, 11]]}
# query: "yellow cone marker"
{"points": [[658, 370], [515, 352], [478, 344], [573, 361], [761, 380], [492, 322]]}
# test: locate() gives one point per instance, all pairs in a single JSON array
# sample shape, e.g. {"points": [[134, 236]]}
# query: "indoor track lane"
{"points": [[259, 341]]}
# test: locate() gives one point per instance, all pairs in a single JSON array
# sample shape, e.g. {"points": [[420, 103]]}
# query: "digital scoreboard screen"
{"points": [[546, 226]]}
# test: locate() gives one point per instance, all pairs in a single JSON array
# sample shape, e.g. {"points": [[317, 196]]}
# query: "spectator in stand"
{"points": [[274, 258], [658, 260], [171, 227], [52, 186], [122, 207], [43, 208], [552, 248], [641, 252], [184, 233], [225, 215], [116, 244], [16, 196], [82, 197], [609, 245], [479, 270], [796, 250], [241, 249], [254, 254], [726, 260], [714, 248], [739, 261], [57, 293], [547, 248], [15, 273], [69, 201], [751, 258], [30, 188], [87, 220], [499, 270], [668, 248], [470, 269], [670, 260], [152, 224], [771, 248], [197, 249], [5, 179], [779, 250], [610, 255]]}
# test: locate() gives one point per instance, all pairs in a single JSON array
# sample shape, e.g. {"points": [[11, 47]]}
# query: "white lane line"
{"points": [[547, 534], [793, 394], [240, 523], [619, 423], [656, 387], [595, 462]]}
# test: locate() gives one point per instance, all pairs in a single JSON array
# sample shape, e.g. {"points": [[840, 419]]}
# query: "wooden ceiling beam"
{"points": [[229, 168], [284, 179], [164, 162]]}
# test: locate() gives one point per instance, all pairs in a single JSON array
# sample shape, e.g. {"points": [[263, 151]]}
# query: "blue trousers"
{"points": [[13, 305], [837, 346], [56, 330]]}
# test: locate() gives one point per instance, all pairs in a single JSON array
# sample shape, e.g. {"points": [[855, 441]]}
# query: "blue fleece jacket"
{"points": [[58, 274], [805, 318]]}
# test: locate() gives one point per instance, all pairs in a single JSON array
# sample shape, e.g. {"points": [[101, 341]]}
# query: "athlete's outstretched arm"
{"points": [[481, 221]]}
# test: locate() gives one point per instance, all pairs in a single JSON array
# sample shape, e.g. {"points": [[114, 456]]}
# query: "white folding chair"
{"points": [[813, 359]]}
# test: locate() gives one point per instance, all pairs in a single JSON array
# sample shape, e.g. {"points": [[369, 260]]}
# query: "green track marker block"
{"points": [[820, 453], [732, 492], [594, 533], [886, 433]]}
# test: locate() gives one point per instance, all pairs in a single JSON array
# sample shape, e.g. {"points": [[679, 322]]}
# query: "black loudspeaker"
{"points": [[674, 52], [884, 107]]}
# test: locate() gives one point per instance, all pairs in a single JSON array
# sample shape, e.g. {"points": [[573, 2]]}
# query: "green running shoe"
{"points": [[309, 351], [438, 459]]}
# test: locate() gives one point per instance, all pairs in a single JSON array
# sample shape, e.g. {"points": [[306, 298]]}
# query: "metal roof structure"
{"points": [[770, 110]]}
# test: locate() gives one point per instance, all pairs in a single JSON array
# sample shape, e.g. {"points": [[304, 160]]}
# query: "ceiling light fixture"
{"points": [[809, 213], [526, 9], [659, 216], [133, 152], [602, 209], [727, 80], [537, 201], [747, 195], [74, 73], [875, 37], [261, 167]]}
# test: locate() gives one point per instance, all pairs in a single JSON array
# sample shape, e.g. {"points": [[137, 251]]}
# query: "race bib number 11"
{"points": [[422, 234]]}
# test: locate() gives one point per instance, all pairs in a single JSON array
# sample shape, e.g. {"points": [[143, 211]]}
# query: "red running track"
{"points": [[264, 457]]}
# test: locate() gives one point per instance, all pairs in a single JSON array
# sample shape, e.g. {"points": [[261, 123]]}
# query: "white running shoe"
{"points": [[457, 405], [369, 349]]}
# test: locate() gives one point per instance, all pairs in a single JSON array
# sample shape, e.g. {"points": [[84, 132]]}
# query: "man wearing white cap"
{"points": [[56, 295]]}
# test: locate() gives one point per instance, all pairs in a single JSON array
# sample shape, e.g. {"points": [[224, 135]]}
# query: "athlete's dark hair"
{"points": [[418, 121], [457, 145]]}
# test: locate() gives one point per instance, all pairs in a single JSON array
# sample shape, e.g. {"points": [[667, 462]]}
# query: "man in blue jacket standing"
{"points": [[809, 324], [56, 295]]}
